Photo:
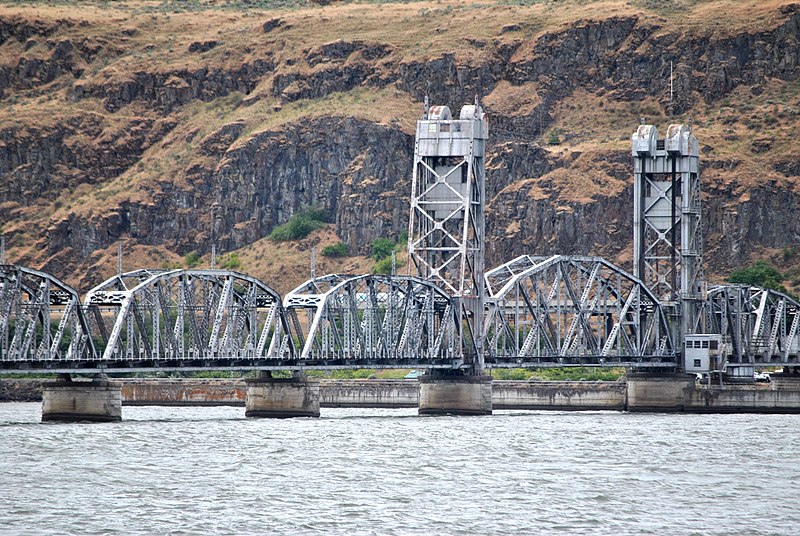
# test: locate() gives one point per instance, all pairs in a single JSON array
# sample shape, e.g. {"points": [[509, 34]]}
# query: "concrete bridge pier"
{"points": [[280, 398], [658, 392], [455, 394], [98, 400]]}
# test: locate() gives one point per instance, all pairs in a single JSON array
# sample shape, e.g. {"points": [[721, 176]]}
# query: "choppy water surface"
{"points": [[210, 470]]}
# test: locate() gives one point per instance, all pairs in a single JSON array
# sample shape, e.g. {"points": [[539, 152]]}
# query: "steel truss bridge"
{"points": [[540, 312], [561, 311], [529, 312], [759, 326]]}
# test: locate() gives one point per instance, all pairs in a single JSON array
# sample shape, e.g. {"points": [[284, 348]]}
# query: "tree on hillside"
{"points": [[760, 274]]}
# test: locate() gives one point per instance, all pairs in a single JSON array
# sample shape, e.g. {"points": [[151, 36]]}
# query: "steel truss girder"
{"points": [[41, 319], [759, 326], [179, 316], [566, 310], [374, 320]]}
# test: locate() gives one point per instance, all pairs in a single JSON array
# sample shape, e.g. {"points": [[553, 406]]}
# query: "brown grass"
{"points": [[152, 35]]}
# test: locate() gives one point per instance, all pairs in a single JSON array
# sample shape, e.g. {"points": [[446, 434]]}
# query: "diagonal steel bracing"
{"points": [[560, 310], [41, 320], [187, 319], [374, 321], [759, 326]]}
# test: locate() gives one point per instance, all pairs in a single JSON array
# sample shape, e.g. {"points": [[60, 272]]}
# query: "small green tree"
{"points": [[553, 138], [299, 225], [382, 248], [192, 259], [760, 274], [383, 266]]}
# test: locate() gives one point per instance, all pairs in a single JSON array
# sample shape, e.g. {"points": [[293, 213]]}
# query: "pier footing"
{"points": [[455, 395], [65, 400], [281, 398], [658, 392]]}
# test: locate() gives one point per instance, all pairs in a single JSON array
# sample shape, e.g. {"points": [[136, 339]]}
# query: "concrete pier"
{"points": [[644, 394], [658, 392], [65, 400], [455, 395], [280, 398]]}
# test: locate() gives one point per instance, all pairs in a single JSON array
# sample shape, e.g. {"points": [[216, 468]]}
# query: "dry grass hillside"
{"points": [[163, 124]]}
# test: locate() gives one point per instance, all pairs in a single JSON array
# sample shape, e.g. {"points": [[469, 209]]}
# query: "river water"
{"points": [[210, 470]]}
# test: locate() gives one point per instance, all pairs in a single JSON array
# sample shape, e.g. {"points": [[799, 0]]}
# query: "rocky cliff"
{"points": [[169, 128]]}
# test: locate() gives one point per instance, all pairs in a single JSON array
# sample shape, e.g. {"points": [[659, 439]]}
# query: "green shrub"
{"points": [[299, 225], [383, 266], [580, 373], [510, 374], [382, 248], [336, 250], [760, 274], [192, 259], [230, 262]]}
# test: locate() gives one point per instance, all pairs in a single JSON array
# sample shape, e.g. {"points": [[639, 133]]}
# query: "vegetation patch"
{"points": [[300, 225], [561, 374], [230, 262], [382, 248], [192, 259], [381, 252], [335, 250], [759, 274]]}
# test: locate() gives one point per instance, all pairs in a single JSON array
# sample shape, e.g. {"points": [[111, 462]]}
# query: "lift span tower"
{"points": [[446, 233]]}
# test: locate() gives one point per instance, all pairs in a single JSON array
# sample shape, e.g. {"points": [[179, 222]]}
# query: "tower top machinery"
{"points": [[446, 226], [667, 224]]}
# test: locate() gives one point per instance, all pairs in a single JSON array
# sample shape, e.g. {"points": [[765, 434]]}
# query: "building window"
{"points": [[705, 344], [714, 345], [697, 363]]}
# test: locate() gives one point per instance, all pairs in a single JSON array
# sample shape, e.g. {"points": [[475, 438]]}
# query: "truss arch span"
{"points": [[572, 310], [759, 326], [374, 321], [41, 321], [187, 318]]}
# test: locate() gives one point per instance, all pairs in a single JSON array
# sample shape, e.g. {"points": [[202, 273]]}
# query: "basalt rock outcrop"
{"points": [[239, 179]]}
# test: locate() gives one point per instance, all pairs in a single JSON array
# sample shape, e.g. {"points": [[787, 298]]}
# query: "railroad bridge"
{"points": [[449, 316]]}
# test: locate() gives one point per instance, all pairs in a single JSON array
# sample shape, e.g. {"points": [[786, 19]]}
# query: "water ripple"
{"points": [[210, 470]]}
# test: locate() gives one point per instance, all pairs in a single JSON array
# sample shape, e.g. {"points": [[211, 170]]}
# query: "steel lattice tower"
{"points": [[667, 232], [446, 225]]}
